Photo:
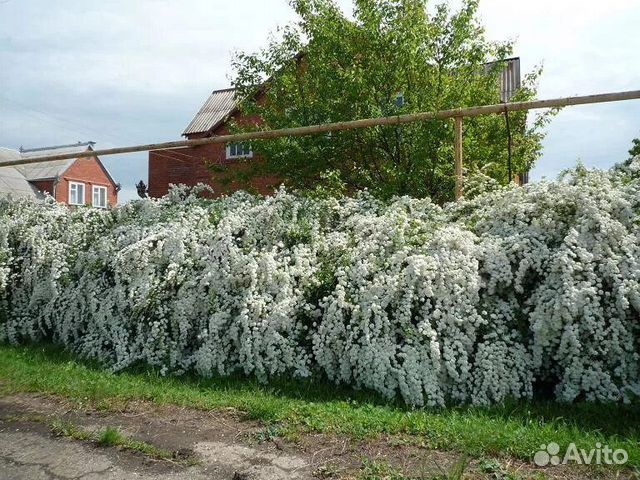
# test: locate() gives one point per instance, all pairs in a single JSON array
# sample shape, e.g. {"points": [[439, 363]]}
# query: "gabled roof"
{"points": [[46, 170], [13, 183], [7, 155], [221, 104], [216, 110], [43, 170], [15, 180]]}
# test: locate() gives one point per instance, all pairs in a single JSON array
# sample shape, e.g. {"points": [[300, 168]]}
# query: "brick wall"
{"points": [[45, 186], [90, 172], [208, 164]]}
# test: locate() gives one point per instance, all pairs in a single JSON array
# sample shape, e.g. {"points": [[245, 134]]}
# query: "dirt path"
{"points": [[211, 446], [204, 445]]}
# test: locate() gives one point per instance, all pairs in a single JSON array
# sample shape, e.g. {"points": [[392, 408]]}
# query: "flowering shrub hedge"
{"points": [[475, 302]]}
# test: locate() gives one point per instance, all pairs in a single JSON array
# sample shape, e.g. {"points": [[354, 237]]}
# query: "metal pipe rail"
{"points": [[457, 113]]}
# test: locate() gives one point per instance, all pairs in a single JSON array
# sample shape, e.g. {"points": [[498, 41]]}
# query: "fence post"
{"points": [[458, 156]]}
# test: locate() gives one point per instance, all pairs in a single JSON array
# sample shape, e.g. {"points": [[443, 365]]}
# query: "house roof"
{"points": [[15, 180], [218, 107], [43, 170], [7, 155], [222, 103], [510, 78], [13, 183]]}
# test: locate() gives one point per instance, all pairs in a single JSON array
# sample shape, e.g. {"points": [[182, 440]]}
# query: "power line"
{"points": [[62, 121], [57, 120]]}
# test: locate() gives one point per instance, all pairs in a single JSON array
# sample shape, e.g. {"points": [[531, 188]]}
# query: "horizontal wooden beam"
{"points": [[333, 127]]}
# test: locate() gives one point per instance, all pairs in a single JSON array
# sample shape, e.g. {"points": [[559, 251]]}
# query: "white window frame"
{"points": [[98, 188], [71, 191], [231, 157]]}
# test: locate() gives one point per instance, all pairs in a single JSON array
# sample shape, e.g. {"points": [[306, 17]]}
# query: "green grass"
{"points": [[111, 437], [379, 471], [516, 429], [383, 471], [108, 437], [63, 428]]}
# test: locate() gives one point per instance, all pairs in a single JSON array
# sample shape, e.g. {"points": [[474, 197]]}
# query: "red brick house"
{"points": [[80, 181], [218, 165], [221, 166]]}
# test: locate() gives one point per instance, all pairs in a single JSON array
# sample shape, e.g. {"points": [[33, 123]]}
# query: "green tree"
{"points": [[392, 57], [635, 149]]}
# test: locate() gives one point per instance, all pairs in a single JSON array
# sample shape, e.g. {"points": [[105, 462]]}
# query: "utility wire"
{"points": [[76, 128], [64, 123]]}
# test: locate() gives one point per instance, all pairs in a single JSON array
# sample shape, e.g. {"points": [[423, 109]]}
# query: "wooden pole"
{"points": [[332, 127], [458, 157]]}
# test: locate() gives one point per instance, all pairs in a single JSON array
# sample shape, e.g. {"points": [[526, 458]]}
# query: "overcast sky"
{"points": [[124, 72]]}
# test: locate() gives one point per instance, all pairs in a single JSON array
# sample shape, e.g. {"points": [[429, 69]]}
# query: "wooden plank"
{"points": [[458, 157], [364, 123]]}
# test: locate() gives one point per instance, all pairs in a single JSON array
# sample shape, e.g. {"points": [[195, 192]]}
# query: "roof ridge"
{"points": [[224, 90], [57, 147]]}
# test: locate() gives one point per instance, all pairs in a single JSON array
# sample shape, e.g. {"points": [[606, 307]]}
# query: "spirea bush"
{"points": [[510, 294]]}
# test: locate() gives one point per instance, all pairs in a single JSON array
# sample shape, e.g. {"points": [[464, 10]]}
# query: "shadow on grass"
{"points": [[610, 420]]}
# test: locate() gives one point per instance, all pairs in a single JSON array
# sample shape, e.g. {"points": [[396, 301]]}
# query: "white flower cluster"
{"points": [[502, 296]]}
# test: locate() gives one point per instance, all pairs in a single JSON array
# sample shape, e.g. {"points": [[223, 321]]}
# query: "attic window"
{"points": [[239, 150], [76, 193], [100, 197]]}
